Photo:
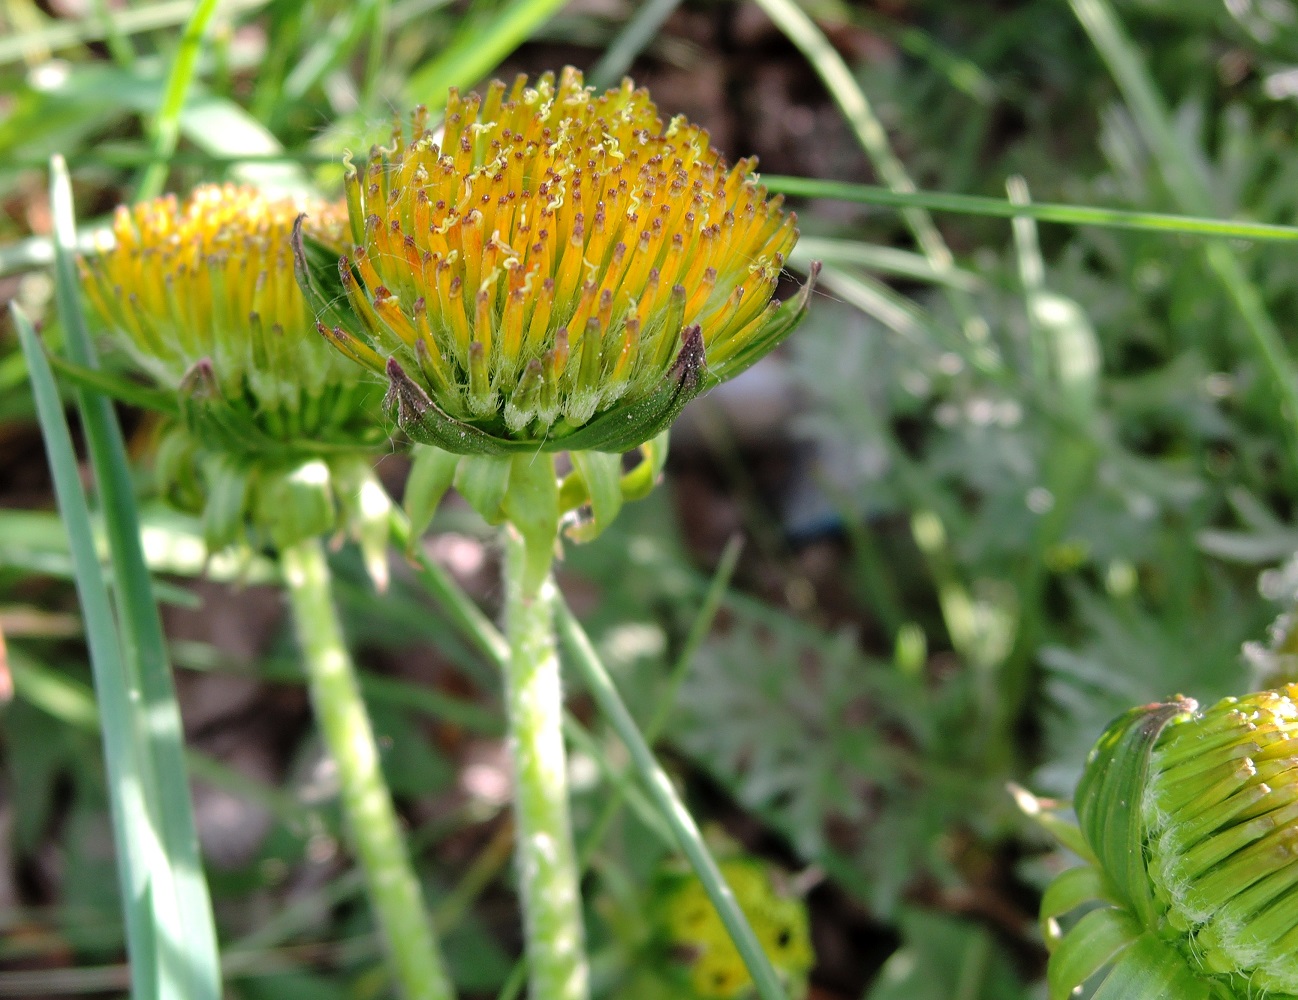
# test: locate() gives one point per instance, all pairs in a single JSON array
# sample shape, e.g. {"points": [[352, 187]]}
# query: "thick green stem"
{"points": [[340, 712], [547, 865]]}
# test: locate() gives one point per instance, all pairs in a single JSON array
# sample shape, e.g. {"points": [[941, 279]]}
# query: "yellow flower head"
{"points": [[274, 426], [203, 296], [554, 268]]}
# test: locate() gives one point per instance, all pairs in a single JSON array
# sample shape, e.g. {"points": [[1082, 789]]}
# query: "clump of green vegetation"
{"points": [[1044, 440]]}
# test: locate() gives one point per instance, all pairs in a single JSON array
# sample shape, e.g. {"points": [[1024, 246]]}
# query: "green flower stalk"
{"points": [[274, 441], [1189, 826], [551, 271]]}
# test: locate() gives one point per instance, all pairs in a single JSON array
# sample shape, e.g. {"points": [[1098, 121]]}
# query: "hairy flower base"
{"points": [[556, 256]]}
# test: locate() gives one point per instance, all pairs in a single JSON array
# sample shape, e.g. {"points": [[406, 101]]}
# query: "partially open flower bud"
{"points": [[553, 270], [1190, 819], [273, 422]]}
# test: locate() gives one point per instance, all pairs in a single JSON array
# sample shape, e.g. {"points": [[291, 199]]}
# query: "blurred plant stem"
{"points": [[547, 864], [648, 772], [340, 711]]}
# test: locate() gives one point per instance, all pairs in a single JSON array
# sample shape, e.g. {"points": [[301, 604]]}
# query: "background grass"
{"points": [[1028, 464]]}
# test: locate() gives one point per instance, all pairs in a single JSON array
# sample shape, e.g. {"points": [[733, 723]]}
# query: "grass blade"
{"points": [[665, 797], [166, 125], [1191, 190], [182, 907], [132, 825], [477, 49], [801, 30], [1041, 211], [634, 37]]}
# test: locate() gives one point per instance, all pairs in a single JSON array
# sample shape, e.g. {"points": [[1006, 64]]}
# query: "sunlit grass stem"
{"points": [[367, 804]]}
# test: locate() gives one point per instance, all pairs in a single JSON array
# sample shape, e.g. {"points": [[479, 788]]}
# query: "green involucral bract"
{"points": [[1190, 819]]}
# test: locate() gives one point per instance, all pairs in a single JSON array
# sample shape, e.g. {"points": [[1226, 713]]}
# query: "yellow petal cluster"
{"points": [[542, 257], [210, 280]]}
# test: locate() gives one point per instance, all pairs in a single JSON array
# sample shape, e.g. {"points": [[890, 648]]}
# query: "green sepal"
{"points": [[601, 475], [427, 423], [1069, 890], [1151, 969], [622, 428], [367, 514], [1096, 940], [216, 422], [643, 477], [432, 471], [531, 505], [1109, 799], [295, 504], [228, 487], [483, 480], [771, 335], [235, 426], [631, 425]]}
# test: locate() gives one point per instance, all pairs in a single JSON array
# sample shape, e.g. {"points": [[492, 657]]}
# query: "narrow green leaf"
{"points": [[132, 829], [115, 387], [1042, 211], [640, 29], [688, 836], [165, 128], [477, 49], [432, 471], [1192, 190], [189, 971], [1070, 890], [602, 474], [483, 480]]}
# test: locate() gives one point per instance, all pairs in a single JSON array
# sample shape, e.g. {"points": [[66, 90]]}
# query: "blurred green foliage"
{"points": [[1045, 502]]}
